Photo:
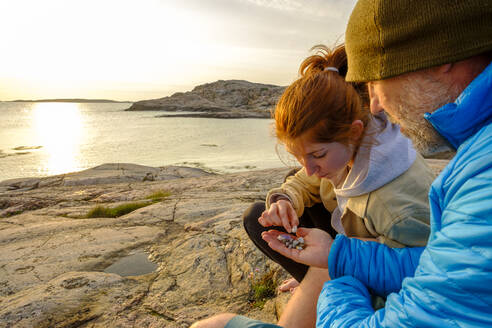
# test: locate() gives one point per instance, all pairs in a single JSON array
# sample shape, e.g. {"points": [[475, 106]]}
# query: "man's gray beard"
{"points": [[425, 138], [424, 94]]}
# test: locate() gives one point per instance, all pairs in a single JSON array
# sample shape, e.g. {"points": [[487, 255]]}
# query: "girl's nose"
{"points": [[311, 168]]}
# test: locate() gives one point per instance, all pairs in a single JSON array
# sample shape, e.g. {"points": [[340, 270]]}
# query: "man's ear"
{"points": [[446, 68], [442, 73], [356, 130]]}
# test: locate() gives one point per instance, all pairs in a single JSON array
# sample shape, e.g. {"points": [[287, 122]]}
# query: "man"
{"points": [[428, 66]]}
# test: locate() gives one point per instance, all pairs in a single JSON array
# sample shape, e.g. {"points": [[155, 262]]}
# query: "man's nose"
{"points": [[375, 104]]}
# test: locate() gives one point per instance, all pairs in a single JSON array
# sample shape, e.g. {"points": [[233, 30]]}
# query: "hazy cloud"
{"points": [[59, 48], [316, 8], [288, 5]]}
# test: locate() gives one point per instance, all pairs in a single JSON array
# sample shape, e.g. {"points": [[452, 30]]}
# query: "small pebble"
{"points": [[290, 242], [284, 237], [294, 229]]}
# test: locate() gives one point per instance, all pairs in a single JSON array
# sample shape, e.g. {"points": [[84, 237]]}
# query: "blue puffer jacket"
{"points": [[452, 284]]}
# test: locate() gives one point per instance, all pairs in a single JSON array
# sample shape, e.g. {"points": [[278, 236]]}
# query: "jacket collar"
{"points": [[468, 114]]}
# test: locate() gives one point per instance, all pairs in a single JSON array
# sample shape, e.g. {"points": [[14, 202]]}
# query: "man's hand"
{"points": [[317, 244], [280, 214]]}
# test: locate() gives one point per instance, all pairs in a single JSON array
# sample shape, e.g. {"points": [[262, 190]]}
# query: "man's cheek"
{"points": [[406, 133], [392, 119]]}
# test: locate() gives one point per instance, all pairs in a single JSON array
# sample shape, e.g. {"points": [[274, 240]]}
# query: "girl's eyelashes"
{"points": [[320, 155]]}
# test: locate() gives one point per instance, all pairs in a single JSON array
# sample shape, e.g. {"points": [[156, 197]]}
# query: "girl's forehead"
{"points": [[303, 146]]}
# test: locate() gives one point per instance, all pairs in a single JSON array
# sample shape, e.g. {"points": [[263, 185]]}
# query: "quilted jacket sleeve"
{"points": [[379, 267]]}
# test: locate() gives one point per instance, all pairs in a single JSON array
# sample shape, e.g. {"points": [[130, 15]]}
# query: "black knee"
{"points": [[254, 229], [251, 215]]}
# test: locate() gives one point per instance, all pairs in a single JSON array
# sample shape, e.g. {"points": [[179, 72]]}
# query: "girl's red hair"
{"points": [[320, 101]]}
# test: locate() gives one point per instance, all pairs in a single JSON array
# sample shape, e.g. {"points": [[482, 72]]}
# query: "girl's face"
{"points": [[325, 160]]}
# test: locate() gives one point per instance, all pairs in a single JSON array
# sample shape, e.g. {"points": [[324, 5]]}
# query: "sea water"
{"points": [[41, 139]]}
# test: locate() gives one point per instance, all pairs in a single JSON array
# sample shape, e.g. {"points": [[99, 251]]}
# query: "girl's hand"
{"points": [[317, 244], [280, 214]]}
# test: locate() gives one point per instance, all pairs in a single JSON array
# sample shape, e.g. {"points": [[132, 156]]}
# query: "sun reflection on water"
{"points": [[59, 129]]}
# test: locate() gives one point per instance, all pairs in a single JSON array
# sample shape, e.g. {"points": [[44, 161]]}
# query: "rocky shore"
{"points": [[220, 99], [58, 266]]}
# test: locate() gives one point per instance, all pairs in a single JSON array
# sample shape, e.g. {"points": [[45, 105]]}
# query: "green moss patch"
{"points": [[114, 212], [263, 287], [158, 195]]}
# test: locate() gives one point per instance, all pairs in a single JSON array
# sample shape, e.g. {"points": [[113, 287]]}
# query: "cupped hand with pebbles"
{"points": [[280, 214], [317, 244]]}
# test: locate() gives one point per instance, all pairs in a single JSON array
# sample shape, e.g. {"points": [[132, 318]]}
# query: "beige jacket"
{"points": [[396, 214]]}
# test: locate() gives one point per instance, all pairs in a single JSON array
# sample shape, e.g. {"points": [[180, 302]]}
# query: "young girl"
{"points": [[360, 176]]}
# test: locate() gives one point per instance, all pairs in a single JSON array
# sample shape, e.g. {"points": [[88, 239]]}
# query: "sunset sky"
{"points": [[134, 50]]}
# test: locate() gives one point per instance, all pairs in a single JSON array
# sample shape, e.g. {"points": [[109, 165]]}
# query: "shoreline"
{"points": [[112, 170], [86, 171], [74, 100]]}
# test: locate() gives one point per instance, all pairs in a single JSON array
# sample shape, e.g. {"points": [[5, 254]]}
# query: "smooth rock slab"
{"points": [[70, 300], [49, 257], [28, 258], [195, 237]]}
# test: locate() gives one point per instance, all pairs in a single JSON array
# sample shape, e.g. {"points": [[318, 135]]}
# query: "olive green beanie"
{"points": [[386, 38]]}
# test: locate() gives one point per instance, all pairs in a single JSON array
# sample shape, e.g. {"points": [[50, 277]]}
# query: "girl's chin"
{"points": [[335, 179]]}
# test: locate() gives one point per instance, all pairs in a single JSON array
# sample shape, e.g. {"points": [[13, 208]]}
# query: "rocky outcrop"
{"points": [[221, 99], [54, 260]]}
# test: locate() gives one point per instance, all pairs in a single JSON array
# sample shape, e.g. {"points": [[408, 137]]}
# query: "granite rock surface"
{"points": [[53, 257]]}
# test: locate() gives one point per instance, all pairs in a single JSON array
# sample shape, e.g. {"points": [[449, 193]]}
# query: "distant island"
{"points": [[220, 99], [74, 100]]}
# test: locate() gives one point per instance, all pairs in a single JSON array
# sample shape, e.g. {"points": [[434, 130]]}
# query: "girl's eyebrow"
{"points": [[316, 151], [310, 153]]}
